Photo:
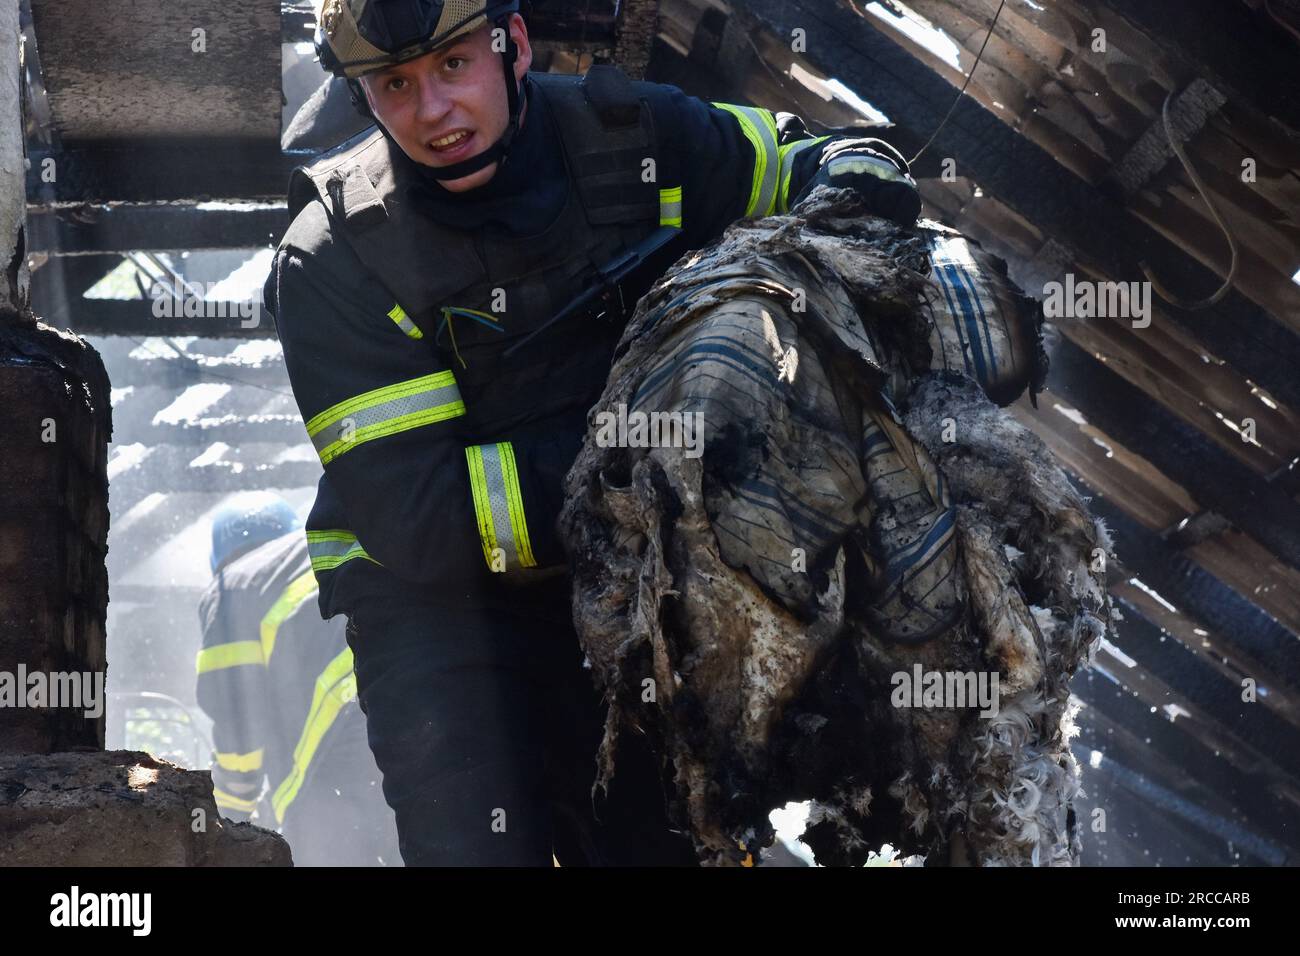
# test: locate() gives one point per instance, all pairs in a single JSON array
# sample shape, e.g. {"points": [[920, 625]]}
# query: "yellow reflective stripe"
{"points": [[241, 763], [335, 687], [291, 598], [228, 801], [384, 411], [398, 315], [233, 654], [788, 153], [499, 505], [670, 207], [759, 127], [329, 549]]}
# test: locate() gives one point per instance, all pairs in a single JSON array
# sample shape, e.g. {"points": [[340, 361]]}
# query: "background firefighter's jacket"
{"points": [[395, 302], [273, 677]]}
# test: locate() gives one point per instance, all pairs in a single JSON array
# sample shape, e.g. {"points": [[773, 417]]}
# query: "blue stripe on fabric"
{"points": [[641, 399], [875, 438], [900, 561], [670, 363], [765, 375], [899, 583], [956, 320], [896, 584], [972, 324], [796, 520], [991, 352], [830, 526]]}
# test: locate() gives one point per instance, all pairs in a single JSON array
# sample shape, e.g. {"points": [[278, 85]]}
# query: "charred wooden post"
{"points": [[54, 414], [65, 799]]}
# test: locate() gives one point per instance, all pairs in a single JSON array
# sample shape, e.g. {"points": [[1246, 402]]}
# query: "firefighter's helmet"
{"points": [[248, 521], [355, 37]]}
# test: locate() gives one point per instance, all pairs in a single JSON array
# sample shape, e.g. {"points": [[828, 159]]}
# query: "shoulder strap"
{"points": [[608, 138], [304, 180], [611, 94]]}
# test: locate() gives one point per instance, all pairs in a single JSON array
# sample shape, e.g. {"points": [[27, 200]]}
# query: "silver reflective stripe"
{"points": [[852, 163], [496, 489], [499, 506], [670, 207], [384, 411], [398, 315]]}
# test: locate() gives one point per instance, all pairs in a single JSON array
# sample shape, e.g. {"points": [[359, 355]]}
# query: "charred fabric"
{"points": [[862, 509]]}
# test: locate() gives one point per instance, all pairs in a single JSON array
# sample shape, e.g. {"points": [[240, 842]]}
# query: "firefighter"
{"points": [[434, 297], [279, 686]]}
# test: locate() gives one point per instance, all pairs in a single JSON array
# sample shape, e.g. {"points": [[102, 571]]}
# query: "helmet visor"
{"points": [[394, 25], [394, 31]]}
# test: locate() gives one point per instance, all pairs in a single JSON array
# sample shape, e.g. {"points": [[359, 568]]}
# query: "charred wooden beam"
{"points": [[1196, 528], [1219, 698], [1214, 478], [1029, 180], [175, 171], [127, 227], [239, 320], [128, 69], [578, 22], [167, 469], [58, 285], [1226, 613], [178, 373], [1256, 803], [1193, 33], [232, 429], [1189, 111]]}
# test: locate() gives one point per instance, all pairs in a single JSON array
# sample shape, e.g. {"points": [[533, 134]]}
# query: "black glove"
{"points": [[876, 172]]}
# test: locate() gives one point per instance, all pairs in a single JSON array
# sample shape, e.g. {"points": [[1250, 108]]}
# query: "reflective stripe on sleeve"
{"points": [[789, 152], [329, 549], [385, 411], [499, 505], [290, 599], [335, 688], [232, 654], [398, 315], [241, 763], [670, 207], [759, 127], [855, 163]]}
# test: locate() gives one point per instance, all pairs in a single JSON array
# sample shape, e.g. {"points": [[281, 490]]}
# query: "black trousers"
{"points": [[485, 727]]}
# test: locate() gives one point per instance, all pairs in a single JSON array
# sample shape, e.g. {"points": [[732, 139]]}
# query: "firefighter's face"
{"points": [[450, 105]]}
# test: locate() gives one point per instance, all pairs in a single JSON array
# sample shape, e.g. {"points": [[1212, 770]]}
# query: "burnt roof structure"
{"points": [[147, 135]]}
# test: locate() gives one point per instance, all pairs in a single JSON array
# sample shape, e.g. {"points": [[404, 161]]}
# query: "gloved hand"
{"points": [[876, 172]]}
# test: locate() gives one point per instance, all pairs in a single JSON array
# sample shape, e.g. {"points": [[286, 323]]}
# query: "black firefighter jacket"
{"points": [[395, 302]]}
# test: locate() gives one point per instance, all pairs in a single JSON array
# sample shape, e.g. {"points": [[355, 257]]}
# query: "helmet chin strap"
{"points": [[499, 150]]}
